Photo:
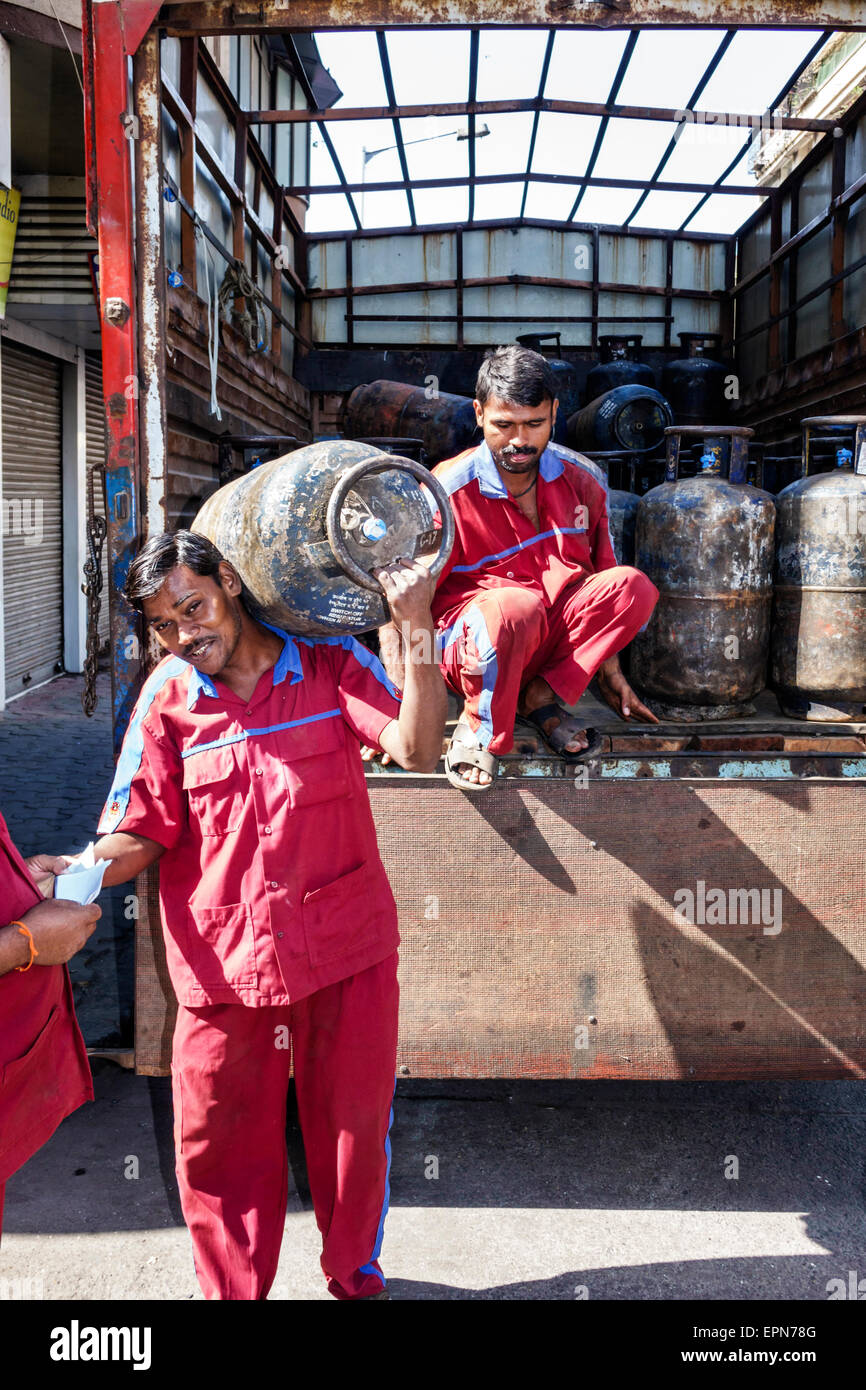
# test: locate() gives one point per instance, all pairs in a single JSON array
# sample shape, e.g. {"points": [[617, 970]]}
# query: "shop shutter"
{"points": [[32, 520]]}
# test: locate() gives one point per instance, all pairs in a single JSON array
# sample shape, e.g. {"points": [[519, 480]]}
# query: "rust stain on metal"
{"points": [[220, 16], [116, 405]]}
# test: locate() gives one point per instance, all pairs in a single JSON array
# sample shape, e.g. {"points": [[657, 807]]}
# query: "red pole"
{"points": [[112, 30]]}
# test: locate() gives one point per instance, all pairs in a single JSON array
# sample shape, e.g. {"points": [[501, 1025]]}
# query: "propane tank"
{"points": [[621, 502], [695, 384], [628, 417], [446, 424], [567, 391], [818, 641], [617, 365], [707, 544], [305, 532], [392, 444]]}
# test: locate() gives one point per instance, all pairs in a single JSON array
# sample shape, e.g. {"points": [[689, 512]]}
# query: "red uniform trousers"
{"points": [[230, 1070], [503, 637]]}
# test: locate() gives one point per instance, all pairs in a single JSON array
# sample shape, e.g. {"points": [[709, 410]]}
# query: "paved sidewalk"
{"points": [[506, 1191], [56, 767]]}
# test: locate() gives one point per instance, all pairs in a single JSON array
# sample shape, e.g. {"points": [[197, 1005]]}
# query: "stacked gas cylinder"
{"points": [[707, 542]]}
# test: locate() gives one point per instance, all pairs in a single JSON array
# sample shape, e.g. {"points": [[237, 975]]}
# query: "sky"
{"points": [[433, 66]]}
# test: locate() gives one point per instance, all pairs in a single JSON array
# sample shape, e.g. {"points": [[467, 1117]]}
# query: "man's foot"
{"points": [[564, 732], [537, 695], [468, 766]]}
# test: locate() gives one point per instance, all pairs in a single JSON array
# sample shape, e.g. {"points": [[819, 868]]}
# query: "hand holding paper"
{"points": [[82, 881]]}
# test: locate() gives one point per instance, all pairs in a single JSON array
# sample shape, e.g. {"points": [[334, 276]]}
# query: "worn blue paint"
{"points": [[125, 655], [854, 767], [757, 768], [628, 767]]}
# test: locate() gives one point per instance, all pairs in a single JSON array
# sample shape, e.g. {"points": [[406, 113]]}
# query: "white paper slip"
{"points": [[82, 881]]}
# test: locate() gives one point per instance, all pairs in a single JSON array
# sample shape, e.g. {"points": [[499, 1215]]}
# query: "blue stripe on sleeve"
{"points": [[133, 744]]}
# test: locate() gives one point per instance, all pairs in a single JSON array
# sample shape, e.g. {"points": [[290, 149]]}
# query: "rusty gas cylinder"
{"points": [[628, 417], [446, 424], [305, 532], [818, 642], [707, 544]]}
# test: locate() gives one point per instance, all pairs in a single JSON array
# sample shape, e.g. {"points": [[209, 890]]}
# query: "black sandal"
{"points": [[564, 732]]}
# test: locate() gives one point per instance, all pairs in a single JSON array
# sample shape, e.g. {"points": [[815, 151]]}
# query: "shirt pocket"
{"points": [[30, 1084], [341, 917], [212, 782], [222, 947], [315, 761]]}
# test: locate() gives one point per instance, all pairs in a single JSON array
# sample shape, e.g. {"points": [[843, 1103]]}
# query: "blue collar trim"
{"points": [[288, 661], [550, 465]]}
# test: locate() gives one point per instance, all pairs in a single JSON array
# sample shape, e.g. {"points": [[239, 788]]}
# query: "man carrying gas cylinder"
{"points": [[240, 772], [531, 603]]}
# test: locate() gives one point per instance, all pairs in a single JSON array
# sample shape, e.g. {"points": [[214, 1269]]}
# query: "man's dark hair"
{"points": [[155, 561], [516, 375]]}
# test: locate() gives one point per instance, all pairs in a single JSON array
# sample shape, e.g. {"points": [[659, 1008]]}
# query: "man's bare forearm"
{"points": [[14, 949], [391, 653], [129, 855], [424, 707]]}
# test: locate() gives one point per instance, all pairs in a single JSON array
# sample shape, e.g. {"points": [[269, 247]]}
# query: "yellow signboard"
{"points": [[10, 202]]}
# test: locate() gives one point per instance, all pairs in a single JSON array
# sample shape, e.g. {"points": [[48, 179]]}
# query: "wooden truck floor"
{"points": [[545, 923]]}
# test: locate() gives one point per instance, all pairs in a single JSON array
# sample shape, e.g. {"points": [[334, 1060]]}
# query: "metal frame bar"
{"points": [[475, 180], [398, 134], [485, 281], [227, 17], [538, 104], [473, 88], [619, 78], [542, 83]]}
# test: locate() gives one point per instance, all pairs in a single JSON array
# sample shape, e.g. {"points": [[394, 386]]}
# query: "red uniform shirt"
{"points": [[44, 1072], [496, 544], [271, 886]]}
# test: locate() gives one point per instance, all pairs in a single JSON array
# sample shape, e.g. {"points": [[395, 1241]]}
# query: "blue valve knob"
{"points": [[843, 458], [373, 528]]}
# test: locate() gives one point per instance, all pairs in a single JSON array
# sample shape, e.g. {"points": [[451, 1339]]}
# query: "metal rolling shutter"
{"points": [[32, 524], [96, 452]]}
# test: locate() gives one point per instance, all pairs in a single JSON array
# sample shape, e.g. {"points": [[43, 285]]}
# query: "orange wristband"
{"points": [[25, 931]]}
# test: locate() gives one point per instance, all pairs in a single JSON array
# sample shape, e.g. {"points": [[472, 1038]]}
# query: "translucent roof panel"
{"points": [[352, 138], [755, 68], [665, 210], [431, 66], [445, 205], [506, 149], [498, 200], [383, 209], [509, 63], [564, 143], [583, 64], [703, 152], [607, 206], [632, 149], [329, 212], [552, 202], [723, 213], [428, 66], [681, 55], [353, 62], [433, 150]]}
